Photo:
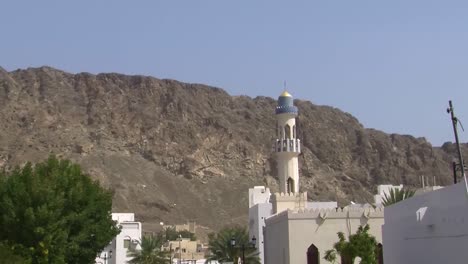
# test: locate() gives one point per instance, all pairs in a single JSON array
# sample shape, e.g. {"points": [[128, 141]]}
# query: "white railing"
{"points": [[288, 145]]}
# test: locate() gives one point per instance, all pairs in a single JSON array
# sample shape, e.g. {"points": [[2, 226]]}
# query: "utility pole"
{"points": [[454, 167], [455, 131]]}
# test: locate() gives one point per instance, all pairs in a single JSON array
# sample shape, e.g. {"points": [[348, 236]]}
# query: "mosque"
{"points": [[288, 228]]}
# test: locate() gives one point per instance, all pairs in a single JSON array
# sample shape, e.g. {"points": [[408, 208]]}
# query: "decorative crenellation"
{"points": [[284, 201], [282, 194], [337, 213]]}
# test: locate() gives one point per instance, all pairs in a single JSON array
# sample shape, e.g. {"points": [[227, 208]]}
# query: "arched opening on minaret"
{"points": [[281, 131], [290, 185], [313, 255], [294, 131], [287, 129]]}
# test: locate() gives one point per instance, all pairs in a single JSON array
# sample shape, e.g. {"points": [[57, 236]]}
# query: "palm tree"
{"points": [[222, 250], [396, 195], [150, 251]]}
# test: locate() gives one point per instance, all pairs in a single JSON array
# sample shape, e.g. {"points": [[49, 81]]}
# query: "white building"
{"points": [[428, 228], [259, 209], [384, 190], [130, 236], [289, 229]]}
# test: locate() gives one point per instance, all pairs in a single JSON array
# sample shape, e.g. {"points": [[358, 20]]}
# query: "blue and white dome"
{"points": [[286, 104]]}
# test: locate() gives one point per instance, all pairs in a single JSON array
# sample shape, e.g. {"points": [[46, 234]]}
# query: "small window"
{"points": [[126, 243], [183, 250]]}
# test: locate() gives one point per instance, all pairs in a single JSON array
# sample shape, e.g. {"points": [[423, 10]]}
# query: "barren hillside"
{"points": [[173, 151]]}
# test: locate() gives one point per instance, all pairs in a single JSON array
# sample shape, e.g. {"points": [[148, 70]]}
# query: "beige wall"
{"points": [[284, 201], [289, 234], [188, 249]]}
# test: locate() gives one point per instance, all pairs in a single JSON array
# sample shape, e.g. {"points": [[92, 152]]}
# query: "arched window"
{"points": [[294, 132], [290, 185], [313, 255], [287, 130]]}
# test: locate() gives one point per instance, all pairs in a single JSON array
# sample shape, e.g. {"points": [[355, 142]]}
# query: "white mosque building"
{"points": [[288, 228]]}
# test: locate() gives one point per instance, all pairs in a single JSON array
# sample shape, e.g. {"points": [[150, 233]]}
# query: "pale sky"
{"points": [[393, 64]]}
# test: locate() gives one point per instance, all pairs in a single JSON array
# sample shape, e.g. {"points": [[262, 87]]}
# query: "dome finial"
{"points": [[285, 94]]}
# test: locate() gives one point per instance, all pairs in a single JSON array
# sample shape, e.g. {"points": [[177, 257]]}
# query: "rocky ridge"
{"points": [[174, 151]]}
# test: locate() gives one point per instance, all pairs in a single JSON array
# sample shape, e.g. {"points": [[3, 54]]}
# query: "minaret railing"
{"points": [[288, 145]]}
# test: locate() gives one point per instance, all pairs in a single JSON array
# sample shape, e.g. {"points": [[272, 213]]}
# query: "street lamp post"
{"points": [[106, 256], [170, 252], [180, 249], [243, 247]]}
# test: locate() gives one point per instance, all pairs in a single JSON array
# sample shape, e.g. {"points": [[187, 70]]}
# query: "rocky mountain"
{"points": [[174, 151]]}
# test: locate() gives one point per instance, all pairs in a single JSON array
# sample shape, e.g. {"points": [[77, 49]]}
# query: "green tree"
{"points": [[54, 213], [360, 245], [8, 255], [396, 195], [150, 251], [222, 250], [171, 234], [187, 234]]}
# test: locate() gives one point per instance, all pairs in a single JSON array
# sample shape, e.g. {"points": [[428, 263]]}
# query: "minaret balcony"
{"points": [[288, 145]]}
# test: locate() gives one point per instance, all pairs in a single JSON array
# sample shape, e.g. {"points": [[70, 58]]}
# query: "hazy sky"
{"points": [[392, 64]]}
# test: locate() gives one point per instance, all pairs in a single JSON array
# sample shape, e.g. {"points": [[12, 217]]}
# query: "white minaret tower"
{"points": [[287, 146], [287, 150]]}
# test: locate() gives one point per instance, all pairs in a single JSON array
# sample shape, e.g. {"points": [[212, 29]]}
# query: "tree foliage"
{"points": [[171, 234], [396, 195], [8, 255], [150, 251], [54, 213], [222, 250], [360, 245]]}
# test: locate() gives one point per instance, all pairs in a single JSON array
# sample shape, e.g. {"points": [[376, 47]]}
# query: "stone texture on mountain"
{"points": [[173, 151]]}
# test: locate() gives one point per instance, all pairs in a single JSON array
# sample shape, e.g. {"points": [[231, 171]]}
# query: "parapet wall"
{"points": [[338, 213], [323, 214], [288, 201], [288, 196]]}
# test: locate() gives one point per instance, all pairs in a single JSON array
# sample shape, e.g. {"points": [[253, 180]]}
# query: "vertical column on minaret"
{"points": [[287, 146]]}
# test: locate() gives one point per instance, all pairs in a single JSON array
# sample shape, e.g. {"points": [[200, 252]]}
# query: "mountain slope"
{"points": [[174, 151]]}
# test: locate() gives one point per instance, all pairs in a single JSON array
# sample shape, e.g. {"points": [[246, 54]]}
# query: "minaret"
{"points": [[287, 146], [287, 149]]}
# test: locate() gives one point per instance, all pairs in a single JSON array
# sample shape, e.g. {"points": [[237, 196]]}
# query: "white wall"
{"points": [[257, 215], [276, 240], [429, 228], [258, 195], [130, 230], [322, 205], [385, 189], [288, 235], [123, 217]]}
